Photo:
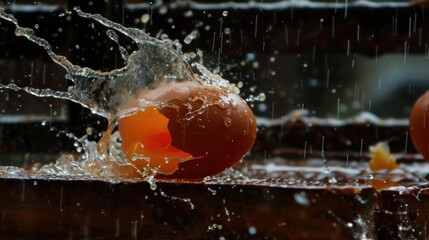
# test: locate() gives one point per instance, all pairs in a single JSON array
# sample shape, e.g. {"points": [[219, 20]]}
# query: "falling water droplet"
{"points": [[193, 35], [252, 230]]}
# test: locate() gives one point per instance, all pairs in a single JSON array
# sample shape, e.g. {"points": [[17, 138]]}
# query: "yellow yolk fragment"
{"points": [[146, 142], [380, 184], [382, 158]]}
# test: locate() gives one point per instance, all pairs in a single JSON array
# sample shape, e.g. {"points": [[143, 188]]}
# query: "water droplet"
{"points": [[152, 185], [145, 18], [262, 107], [193, 35], [163, 10], [250, 57], [214, 192], [261, 97], [89, 131], [252, 230], [227, 122], [255, 64], [301, 198], [332, 180], [188, 14]]}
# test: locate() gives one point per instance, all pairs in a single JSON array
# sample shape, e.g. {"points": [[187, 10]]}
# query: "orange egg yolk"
{"points": [[147, 143], [382, 158]]}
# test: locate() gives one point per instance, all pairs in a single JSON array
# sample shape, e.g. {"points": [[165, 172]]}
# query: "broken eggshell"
{"points": [[210, 129]]}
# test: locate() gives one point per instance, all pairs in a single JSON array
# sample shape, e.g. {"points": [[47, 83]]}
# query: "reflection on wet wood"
{"points": [[74, 209]]}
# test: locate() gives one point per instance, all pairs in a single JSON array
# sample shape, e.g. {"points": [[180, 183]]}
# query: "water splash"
{"points": [[155, 62]]}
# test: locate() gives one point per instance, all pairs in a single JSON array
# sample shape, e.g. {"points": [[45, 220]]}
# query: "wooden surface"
{"points": [[88, 209], [403, 213]]}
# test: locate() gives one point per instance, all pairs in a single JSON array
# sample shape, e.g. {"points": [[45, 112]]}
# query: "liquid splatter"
{"points": [[155, 62]]}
